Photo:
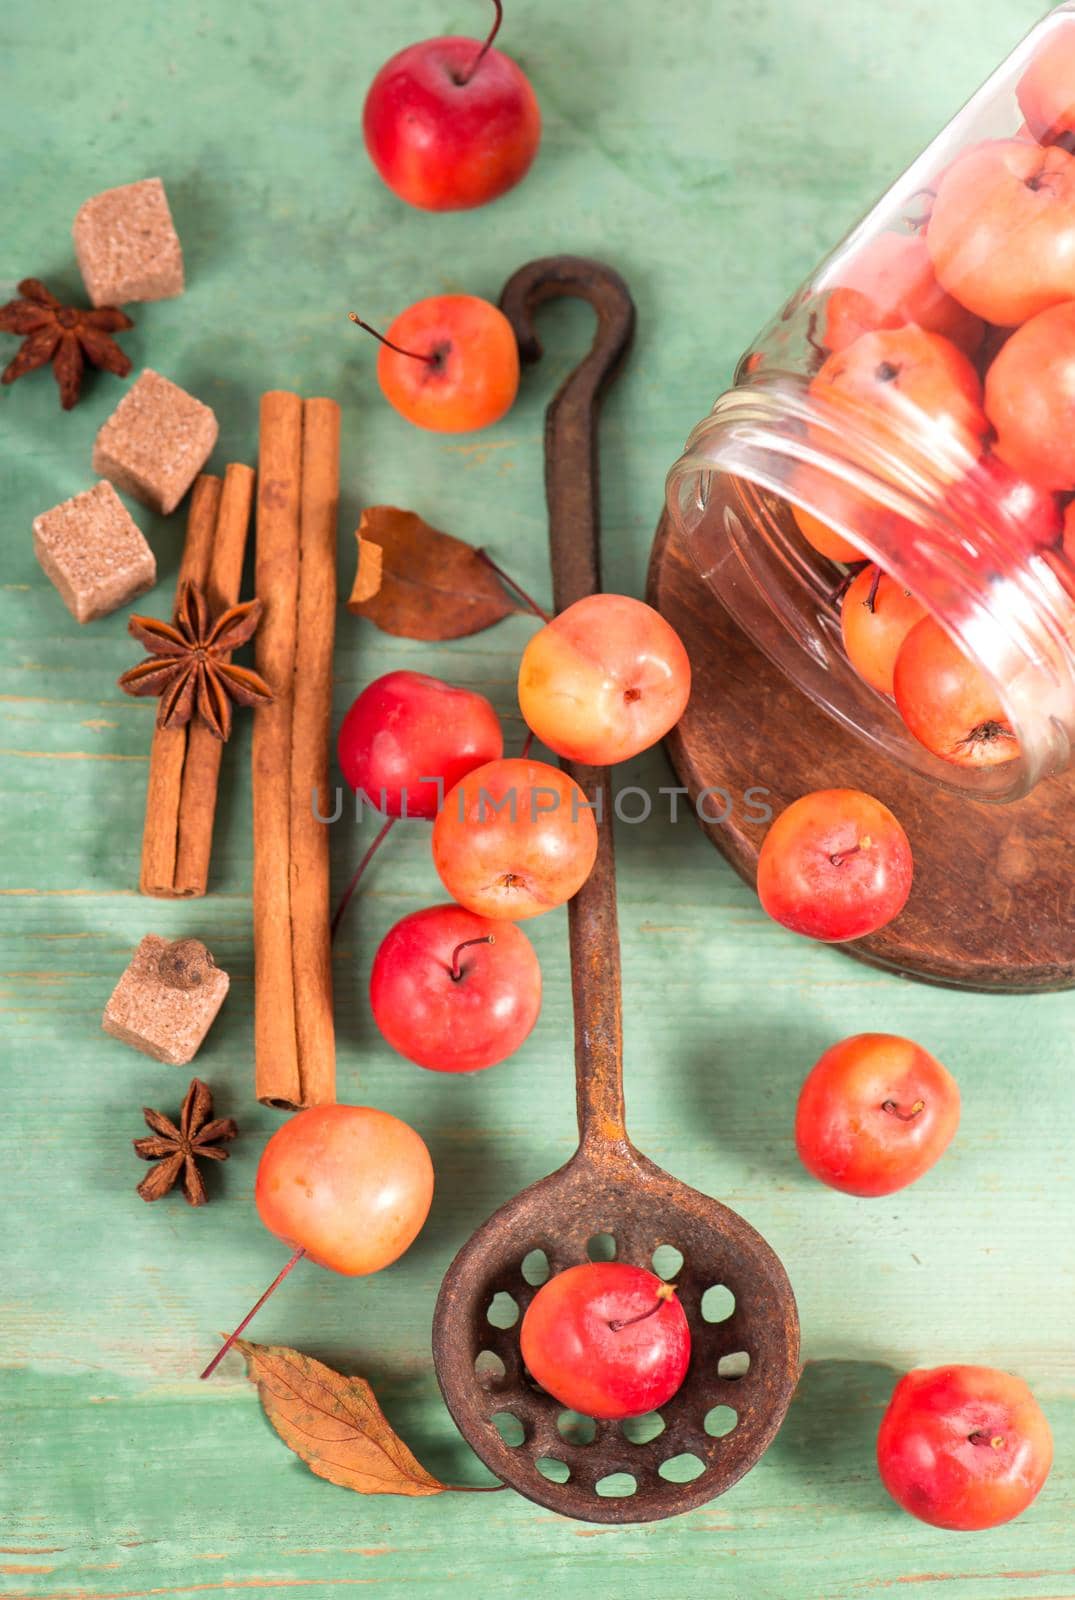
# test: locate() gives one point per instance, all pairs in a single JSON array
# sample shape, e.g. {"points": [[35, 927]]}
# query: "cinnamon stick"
{"points": [[311, 733], [296, 582], [168, 752], [201, 769], [184, 763], [276, 583]]}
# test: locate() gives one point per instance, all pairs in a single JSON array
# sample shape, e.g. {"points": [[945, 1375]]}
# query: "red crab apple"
{"points": [[348, 1186], [1002, 230], [604, 680], [992, 492], [514, 838], [876, 616], [838, 506], [1068, 539], [449, 364], [948, 703], [607, 1339], [1046, 91], [455, 992], [903, 393], [1061, 561], [827, 541], [835, 865], [405, 731], [874, 1114], [1030, 398], [963, 1447], [889, 282], [451, 123]]}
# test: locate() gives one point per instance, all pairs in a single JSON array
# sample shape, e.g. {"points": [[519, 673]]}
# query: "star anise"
{"points": [[190, 666], [68, 336], [178, 1150]]}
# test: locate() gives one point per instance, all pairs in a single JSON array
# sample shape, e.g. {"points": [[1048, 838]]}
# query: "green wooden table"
{"points": [[710, 149]]}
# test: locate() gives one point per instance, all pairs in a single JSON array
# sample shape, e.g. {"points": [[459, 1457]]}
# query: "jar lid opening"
{"points": [[769, 461]]}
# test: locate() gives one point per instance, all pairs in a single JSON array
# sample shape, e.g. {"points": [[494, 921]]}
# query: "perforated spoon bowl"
{"points": [[743, 1366]]}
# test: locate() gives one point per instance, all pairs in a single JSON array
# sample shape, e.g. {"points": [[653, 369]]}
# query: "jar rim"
{"points": [[1001, 602]]}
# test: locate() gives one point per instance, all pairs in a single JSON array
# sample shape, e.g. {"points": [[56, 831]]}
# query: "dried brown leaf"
{"points": [[432, 585], [368, 573], [333, 1423]]}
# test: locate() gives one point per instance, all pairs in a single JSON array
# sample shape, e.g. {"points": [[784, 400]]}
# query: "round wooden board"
{"points": [[993, 903]]}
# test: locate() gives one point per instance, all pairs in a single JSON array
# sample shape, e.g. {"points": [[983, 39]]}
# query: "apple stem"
{"points": [[871, 598], [252, 1313], [893, 1110], [345, 899], [995, 1441], [527, 742], [812, 338], [456, 969], [490, 36], [531, 603], [853, 570], [665, 1292], [431, 358], [840, 856], [917, 223]]}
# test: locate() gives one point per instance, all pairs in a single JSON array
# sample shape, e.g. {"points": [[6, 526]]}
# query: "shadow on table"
{"points": [[827, 1442], [743, 1091], [830, 1432]]}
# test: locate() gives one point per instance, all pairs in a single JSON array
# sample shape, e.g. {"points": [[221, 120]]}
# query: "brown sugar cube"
{"points": [[127, 246], [94, 553], [155, 442], [166, 1001]]}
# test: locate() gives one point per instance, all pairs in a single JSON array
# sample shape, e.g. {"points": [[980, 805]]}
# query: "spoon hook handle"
{"points": [[571, 489]]}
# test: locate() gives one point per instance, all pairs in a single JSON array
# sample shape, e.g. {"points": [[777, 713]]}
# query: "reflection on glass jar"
{"points": [[885, 500]]}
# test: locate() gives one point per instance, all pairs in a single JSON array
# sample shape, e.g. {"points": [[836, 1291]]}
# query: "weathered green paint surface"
{"points": [[710, 150]]}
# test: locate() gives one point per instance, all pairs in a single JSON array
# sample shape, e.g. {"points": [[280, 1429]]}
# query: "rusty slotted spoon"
{"points": [[745, 1364]]}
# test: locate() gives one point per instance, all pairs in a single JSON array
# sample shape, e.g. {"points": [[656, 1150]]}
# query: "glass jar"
{"points": [[913, 406]]}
